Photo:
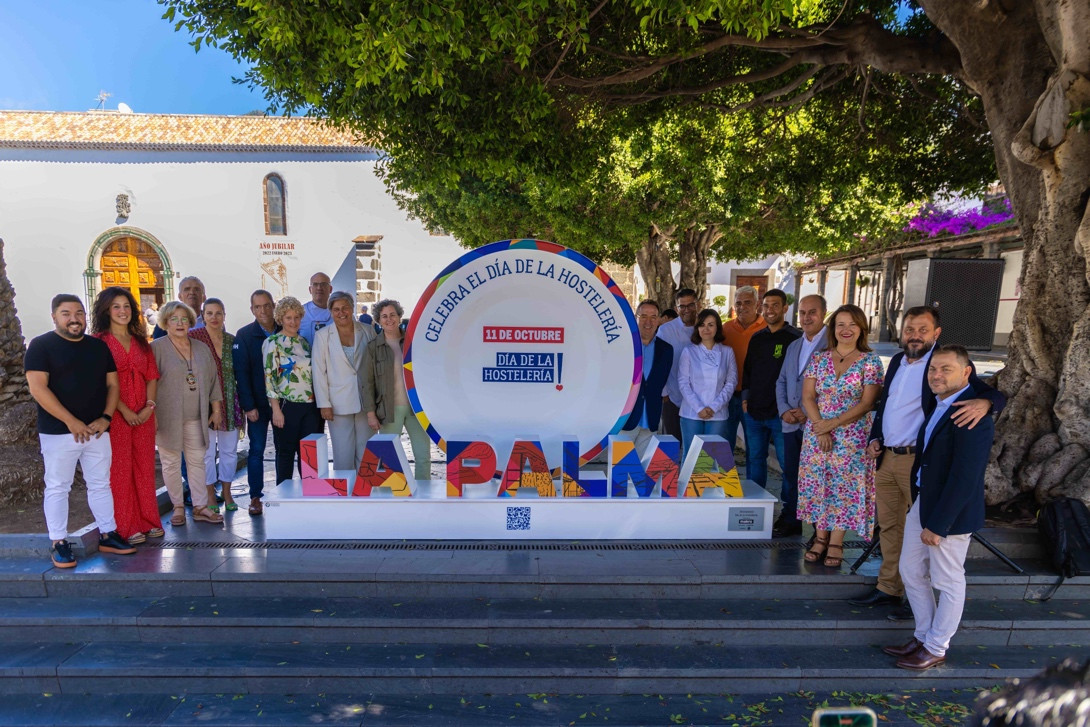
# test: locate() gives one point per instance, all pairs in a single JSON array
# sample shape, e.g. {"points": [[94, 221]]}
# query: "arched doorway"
{"points": [[130, 258]]}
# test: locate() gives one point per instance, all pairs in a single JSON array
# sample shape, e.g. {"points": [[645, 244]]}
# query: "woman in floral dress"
{"points": [[836, 477], [116, 320]]}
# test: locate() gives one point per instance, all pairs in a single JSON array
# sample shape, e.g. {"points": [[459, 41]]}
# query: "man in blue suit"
{"points": [[948, 507], [250, 379], [658, 358], [789, 403]]}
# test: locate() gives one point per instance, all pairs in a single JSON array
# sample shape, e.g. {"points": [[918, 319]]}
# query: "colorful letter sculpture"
{"points": [[659, 463], [710, 463], [576, 484], [527, 467], [460, 472], [314, 461], [384, 465]]}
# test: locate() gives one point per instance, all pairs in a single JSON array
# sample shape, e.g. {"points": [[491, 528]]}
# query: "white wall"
{"points": [[207, 211]]}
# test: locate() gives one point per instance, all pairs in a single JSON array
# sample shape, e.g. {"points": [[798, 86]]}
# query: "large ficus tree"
{"points": [[516, 82]]}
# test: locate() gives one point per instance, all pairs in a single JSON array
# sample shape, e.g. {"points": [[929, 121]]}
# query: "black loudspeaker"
{"points": [[966, 292]]}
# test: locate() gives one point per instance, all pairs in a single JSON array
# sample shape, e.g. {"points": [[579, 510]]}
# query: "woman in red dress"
{"points": [[115, 319]]}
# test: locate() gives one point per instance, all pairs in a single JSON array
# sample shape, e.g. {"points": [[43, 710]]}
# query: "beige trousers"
{"points": [[893, 494], [194, 448]]}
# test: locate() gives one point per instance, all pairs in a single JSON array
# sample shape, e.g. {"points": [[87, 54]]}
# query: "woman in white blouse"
{"points": [[707, 375]]}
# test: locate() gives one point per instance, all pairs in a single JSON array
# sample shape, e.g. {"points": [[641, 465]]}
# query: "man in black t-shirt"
{"points": [[74, 380], [764, 358]]}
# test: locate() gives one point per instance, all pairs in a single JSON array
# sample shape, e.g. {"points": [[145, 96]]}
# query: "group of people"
{"points": [[905, 448], [110, 399]]}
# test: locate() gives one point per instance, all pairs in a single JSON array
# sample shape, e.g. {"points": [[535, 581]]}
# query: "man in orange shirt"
{"points": [[738, 331]]}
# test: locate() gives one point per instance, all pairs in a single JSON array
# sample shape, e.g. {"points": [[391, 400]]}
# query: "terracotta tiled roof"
{"points": [[171, 132]]}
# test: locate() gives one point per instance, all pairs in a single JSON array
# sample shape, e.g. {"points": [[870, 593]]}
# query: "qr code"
{"points": [[518, 518]]}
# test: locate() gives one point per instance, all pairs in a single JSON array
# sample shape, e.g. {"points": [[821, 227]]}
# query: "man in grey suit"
{"points": [[789, 403]]}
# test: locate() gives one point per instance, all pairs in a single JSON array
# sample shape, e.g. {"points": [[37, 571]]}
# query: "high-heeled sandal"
{"points": [[817, 550], [834, 561]]}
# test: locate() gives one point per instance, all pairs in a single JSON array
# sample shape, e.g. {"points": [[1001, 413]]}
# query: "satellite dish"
{"points": [[124, 108]]}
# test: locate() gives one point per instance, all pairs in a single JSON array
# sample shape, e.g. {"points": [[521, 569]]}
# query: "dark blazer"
{"points": [[650, 395], [951, 469], [250, 369], [978, 388]]}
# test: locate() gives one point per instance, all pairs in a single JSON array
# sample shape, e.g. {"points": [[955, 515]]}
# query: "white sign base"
{"points": [[430, 515]]}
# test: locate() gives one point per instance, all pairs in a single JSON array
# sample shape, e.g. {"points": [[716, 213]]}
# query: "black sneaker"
{"points": [[61, 553], [901, 613], [111, 542]]}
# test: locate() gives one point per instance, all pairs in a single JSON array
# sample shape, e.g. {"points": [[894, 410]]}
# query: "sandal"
{"points": [[255, 506], [206, 514], [156, 533], [136, 538], [230, 507], [814, 554], [834, 561], [178, 518]]}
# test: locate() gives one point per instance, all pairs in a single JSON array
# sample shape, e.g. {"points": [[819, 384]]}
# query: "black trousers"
{"points": [[300, 420], [671, 419]]}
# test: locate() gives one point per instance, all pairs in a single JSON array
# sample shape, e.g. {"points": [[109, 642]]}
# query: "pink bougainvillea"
{"points": [[931, 221]]}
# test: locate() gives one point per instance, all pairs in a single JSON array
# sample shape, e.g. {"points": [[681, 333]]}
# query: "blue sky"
{"points": [[58, 54]]}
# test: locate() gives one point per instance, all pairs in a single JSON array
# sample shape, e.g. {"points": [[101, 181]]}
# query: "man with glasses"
{"points": [[658, 358], [737, 331], [678, 333], [316, 315]]}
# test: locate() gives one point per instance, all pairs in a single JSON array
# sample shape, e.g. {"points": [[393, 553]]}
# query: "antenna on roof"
{"points": [[101, 98]]}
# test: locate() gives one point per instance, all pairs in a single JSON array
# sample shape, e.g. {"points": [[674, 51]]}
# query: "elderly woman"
{"points": [[385, 399], [224, 440], [707, 375], [289, 386], [836, 477], [116, 320], [338, 352], [189, 403]]}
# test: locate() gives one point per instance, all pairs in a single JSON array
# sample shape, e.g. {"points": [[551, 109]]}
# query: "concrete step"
{"points": [[403, 669], [553, 622]]}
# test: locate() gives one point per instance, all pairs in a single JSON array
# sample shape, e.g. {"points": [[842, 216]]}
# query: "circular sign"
{"points": [[523, 339]]}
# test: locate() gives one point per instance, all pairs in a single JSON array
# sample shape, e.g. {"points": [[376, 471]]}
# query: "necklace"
{"points": [[190, 379], [842, 357]]}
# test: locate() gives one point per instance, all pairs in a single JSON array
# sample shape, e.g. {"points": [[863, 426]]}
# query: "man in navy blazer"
{"points": [[905, 402], [250, 380], [812, 309], [658, 358], [948, 507]]}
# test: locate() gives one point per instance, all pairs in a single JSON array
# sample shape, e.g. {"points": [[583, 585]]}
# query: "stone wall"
{"points": [[368, 270], [625, 278]]}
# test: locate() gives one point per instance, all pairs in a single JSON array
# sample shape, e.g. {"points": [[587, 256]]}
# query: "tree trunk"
{"points": [[1030, 63], [653, 258], [693, 255]]}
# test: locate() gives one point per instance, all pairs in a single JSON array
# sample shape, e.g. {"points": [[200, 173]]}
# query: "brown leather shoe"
{"points": [[920, 660], [903, 649], [256, 507]]}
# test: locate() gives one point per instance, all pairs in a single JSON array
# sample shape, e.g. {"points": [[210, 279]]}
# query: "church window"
{"points": [[276, 221]]}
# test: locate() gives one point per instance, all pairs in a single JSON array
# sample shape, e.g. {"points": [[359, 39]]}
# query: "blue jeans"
{"points": [[792, 453], [734, 418], [758, 434], [691, 427], [258, 432]]}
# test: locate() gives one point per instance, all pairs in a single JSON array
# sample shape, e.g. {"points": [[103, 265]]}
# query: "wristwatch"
{"points": [[107, 417]]}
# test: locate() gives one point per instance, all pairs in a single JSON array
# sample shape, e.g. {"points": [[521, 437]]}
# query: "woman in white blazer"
{"points": [[706, 375], [338, 351]]}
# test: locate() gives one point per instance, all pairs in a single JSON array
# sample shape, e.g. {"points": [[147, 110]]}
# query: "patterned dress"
{"points": [[836, 489], [287, 368], [232, 410], [132, 469]]}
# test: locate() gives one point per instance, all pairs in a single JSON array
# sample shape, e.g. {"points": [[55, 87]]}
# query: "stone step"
{"points": [[414, 669], [564, 622], [266, 573]]}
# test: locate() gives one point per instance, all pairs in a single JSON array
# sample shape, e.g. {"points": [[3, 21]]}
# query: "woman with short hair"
{"points": [[223, 440], [289, 385], [706, 375], [385, 398], [115, 319], [836, 477], [190, 402], [337, 355]]}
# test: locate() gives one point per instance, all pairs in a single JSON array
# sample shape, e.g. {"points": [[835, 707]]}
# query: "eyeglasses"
{"points": [[178, 319]]}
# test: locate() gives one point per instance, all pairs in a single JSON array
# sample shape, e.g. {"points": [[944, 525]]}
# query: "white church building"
{"points": [[100, 198]]}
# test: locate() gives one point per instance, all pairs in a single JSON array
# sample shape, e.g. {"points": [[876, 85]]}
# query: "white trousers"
{"points": [[940, 567], [60, 452], [226, 443], [348, 435]]}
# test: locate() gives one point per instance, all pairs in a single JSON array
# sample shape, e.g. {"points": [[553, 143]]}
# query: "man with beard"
{"points": [[191, 292], [73, 379], [678, 333], [903, 406]]}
